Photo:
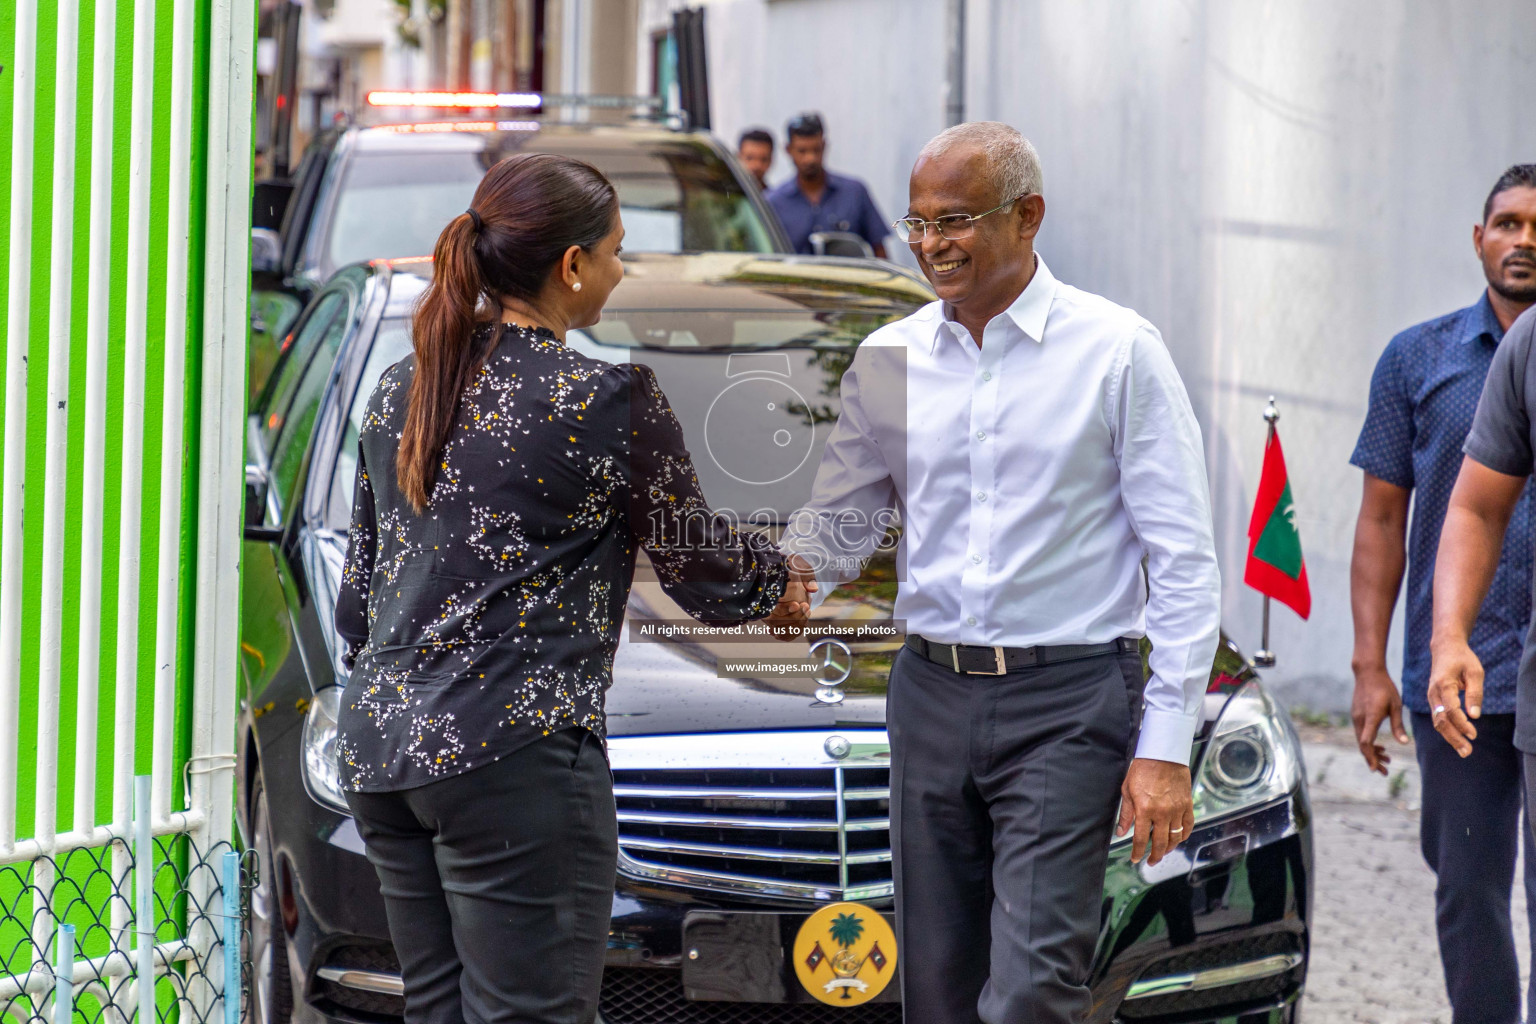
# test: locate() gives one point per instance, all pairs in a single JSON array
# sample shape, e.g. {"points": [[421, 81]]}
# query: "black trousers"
{"points": [[1003, 798], [498, 884], [1469, 831]]}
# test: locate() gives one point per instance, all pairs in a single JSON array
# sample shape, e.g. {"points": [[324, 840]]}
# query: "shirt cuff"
{"points": [[1167, 735]]}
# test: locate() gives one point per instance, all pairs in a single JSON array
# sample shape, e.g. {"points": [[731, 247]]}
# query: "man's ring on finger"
{"points": [[1175, 831], [1439, 709]]}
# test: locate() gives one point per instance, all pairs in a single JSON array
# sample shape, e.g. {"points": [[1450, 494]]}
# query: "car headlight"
{"points": [[1252, 757], [322, 775]]}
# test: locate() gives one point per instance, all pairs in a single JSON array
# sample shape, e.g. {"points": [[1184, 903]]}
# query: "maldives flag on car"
{"points": [[1275, 566]]}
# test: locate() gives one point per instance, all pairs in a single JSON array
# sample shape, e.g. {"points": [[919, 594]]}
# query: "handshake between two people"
{"points": [[789, 617]]}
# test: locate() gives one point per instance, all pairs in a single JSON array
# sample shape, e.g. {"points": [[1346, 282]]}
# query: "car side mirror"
{"points": [[256, 528], [266, 252], [840, 243]]}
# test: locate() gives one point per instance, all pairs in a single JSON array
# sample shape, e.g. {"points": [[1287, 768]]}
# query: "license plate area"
{"points": [[745, 957]]}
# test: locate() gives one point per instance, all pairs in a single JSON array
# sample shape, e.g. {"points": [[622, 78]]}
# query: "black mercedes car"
{"points": [[745, 803]]}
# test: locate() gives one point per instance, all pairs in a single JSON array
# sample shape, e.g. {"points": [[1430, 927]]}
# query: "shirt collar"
{"points": [[831, 185], [1480, 320], [1028, 312]]}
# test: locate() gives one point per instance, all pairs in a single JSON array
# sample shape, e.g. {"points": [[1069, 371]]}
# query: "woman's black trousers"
{"points": [[499, 883]]}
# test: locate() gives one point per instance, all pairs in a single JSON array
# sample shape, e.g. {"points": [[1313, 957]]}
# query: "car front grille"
{"points": [[644, 995], [746, 817]]}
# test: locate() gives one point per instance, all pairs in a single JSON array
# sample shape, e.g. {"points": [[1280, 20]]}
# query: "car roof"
{"points": [[727, 282]]}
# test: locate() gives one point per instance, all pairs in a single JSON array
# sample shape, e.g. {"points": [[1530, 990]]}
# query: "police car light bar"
{"points": [[445, 127], [512, 100], [464, 100]]}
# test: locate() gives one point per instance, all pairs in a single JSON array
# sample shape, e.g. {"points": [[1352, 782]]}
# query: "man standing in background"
{"points": [[1423, 396], [818, 200], [754, 151]]}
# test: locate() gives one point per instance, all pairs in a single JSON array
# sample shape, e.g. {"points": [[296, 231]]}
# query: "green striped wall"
{"points": [[38, 363]]}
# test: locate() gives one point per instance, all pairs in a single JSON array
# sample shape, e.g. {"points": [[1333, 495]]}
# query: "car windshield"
{"points": [[755, 416], [674, 196]]}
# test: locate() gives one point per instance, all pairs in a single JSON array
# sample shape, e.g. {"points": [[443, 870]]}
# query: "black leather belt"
{"points": [[973, 660]]}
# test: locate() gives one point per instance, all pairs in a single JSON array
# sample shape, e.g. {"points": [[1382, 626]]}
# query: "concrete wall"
{"points": [[1279, 186]]}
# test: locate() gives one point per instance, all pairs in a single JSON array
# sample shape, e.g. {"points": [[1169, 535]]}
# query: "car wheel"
{"points": [[271, 982]]}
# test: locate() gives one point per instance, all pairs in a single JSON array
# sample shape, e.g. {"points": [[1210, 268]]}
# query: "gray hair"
{"points": [[1012, 163]]}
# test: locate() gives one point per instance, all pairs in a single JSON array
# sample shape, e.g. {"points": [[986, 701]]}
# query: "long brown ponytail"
{"points": [[528, 210]]}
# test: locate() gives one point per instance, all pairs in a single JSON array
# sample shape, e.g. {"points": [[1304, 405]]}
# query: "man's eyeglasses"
{"points": [[953, 227]]}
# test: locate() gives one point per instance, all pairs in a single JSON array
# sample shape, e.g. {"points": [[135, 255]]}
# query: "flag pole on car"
{"points": [[1275, 566]]}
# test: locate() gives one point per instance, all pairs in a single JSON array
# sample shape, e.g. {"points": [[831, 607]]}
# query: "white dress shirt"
{"points": [[1031, 476]]}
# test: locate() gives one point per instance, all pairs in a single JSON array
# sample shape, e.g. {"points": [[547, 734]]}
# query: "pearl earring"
{"points": [[576, 286]]}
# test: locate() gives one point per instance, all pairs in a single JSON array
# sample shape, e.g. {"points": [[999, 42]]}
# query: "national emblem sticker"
{"points": [[845, 954]]}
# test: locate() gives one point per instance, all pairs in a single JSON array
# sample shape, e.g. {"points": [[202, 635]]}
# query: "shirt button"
{"points": [[981, 435], [970, 620], [981, 495], [976, 559], [986, 375]]}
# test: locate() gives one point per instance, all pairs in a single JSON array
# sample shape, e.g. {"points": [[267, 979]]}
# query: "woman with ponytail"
{"points": [[504, 485]]}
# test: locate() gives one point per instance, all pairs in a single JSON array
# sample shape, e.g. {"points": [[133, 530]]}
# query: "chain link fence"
{"points": [[79, 933]]}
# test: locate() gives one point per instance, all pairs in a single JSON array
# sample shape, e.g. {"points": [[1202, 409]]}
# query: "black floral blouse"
{"points": [[492, 618]]}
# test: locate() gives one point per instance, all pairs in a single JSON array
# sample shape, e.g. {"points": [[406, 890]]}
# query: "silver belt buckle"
{"points": [[997, 656]]}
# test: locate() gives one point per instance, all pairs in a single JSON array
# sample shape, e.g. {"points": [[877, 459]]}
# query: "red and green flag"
{"points": [[1275, 566]]}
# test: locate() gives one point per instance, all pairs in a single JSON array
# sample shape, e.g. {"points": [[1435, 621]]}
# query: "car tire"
{"points": [[271, 979]]}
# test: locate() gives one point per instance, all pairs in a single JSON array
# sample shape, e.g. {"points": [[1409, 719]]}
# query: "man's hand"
{"points": [[1376, 699], [1155, 798], [1475, 520], [789, 616], [1453, 669], [1375, 577]]}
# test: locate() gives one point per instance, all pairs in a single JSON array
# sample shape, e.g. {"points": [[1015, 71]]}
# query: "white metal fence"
{"points": [[163, 310]]}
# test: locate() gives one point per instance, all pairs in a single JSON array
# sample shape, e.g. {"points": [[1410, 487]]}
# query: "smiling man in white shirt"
{"points": [[1038, 445]]}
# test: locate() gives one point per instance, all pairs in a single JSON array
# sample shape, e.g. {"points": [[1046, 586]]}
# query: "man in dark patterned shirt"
{"points": [[1423, 396]]}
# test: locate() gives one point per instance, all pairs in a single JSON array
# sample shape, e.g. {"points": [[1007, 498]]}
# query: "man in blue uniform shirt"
{"points": [[1423, 396], [815, 199]]}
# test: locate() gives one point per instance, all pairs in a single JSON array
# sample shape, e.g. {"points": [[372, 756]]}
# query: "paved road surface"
{"points": [[1374, 955]]}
